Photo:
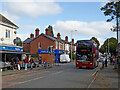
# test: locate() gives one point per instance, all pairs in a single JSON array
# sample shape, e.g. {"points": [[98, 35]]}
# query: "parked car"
{"points": [[64, 58], [4, 65]]}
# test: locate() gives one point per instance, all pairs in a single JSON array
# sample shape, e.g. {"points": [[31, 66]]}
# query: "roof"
{"points": [[46, 37], [27, 41], [7, 21]]}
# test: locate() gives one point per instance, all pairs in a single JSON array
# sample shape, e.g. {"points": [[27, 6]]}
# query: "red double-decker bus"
{"points": [[87, 54]]}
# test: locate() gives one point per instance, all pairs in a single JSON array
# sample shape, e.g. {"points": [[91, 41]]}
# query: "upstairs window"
{"points": [[7, 33], [56, 44], [39, 44]]}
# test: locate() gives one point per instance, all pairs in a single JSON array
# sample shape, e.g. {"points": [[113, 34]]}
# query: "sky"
{"points": [[65, 17]]}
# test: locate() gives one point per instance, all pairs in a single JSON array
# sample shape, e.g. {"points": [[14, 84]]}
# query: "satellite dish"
{"points": [[2, 39]]}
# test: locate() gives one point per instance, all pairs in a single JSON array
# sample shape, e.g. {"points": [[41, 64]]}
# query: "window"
{"points": [[56, 44], [59, 45], [39, 44], [63, 46], [7, 33]]}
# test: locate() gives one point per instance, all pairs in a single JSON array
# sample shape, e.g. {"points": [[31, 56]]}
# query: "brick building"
{"points": [[40, 43]]}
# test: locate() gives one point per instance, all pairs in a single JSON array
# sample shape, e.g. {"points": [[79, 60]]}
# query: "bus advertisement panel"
{"points": [[86, 54]]}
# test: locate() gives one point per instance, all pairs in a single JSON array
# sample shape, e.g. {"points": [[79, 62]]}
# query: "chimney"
{"points": [[31, 35], [36, 32], [47, 31], [66, 38], [58, 36], [72, 40]]}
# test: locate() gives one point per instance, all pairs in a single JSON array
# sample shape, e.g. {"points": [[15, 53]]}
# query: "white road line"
{"points": [[91, 82], [31, 80], [38, 78]]}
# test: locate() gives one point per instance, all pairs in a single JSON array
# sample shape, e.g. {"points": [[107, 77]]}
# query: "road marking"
{"points": [[94, 74], [57, 72], [31, 80], [91, 82]]}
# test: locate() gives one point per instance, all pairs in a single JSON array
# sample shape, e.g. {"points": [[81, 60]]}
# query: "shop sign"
{"points": [[11, 48]]}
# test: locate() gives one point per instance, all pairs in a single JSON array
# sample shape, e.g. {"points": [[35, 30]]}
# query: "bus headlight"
{"points": [[91, 63], [77, 63]]}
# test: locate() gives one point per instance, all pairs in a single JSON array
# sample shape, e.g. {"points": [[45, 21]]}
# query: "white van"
{"points": [[64, 58]]}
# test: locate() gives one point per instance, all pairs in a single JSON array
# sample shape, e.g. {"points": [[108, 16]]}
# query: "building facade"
{"points": [[40, 43], [8, 49]]}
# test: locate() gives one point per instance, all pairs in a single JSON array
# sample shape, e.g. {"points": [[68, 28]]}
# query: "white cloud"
{"points": [[30, 9], [100, 30], [28, 27], [23, 36]]}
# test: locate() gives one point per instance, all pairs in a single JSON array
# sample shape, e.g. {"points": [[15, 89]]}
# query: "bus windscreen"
{"points": [[84, 51]]}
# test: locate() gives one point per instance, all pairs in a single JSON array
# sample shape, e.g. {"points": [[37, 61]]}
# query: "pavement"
{"points": [[40, 67], [108, 77]]}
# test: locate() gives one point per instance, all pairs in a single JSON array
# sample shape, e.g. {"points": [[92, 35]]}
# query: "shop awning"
{"points": [[9, 52]]}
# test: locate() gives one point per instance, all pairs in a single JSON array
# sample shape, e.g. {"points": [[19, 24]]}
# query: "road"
{"points": [[63, 76]]}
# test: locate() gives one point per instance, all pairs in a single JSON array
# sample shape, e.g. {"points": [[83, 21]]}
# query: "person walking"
{"points": [[31, 61], [106, 62], [17, 63], [26, 63], [13, 63]]}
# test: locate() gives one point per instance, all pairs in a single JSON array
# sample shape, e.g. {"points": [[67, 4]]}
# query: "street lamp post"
{"points": [[71, 43]]}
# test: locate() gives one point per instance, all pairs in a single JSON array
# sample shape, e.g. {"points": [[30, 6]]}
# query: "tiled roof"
{"points": [[46, 37], [27, 41]]}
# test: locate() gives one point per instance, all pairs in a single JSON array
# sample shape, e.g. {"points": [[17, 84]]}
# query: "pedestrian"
{"points": [[31, 62], [26, 63], [17, 63], [113, 60], [13, 64], [106, 62], [110, 60]]}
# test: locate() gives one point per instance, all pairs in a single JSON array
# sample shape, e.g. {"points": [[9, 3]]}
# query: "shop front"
{"points": [[9, 52], [55, 52]]}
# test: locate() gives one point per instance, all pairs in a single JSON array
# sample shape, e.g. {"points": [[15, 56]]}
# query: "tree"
{"points": [[112, 46], [19, 42], [96, 40], [102, 49], [51, 30], [112, 9]]}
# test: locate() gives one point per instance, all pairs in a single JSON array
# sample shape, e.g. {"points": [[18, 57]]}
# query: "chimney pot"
{"points": [[72, 40], [66, 38], [47, 31], [37, 32], [58, 36], [31, 35]]}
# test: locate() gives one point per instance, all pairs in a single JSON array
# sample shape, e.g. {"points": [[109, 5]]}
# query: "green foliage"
{"points": [[51, 30], [112, 46], [102, 49], [111, 9], [19, 43], [96, 40], [73, 55]]}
